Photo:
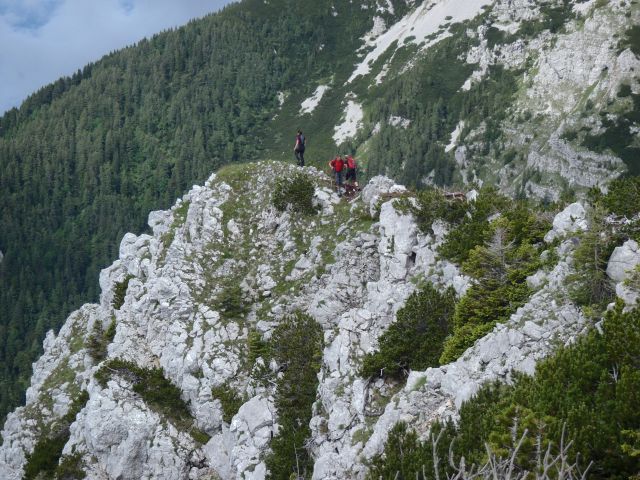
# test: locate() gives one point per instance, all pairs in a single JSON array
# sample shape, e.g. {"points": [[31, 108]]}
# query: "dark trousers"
{"points": [[338, 181], [300, 157]]}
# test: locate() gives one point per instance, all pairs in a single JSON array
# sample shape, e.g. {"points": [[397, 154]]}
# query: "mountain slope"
{"points": [[539, 98], [85, 159], [196, 307]]}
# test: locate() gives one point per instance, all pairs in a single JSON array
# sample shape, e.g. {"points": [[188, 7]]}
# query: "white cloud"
{"points": [[42, 40]]}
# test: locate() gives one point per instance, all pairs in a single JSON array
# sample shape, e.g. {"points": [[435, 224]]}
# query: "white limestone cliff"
{"points": [[351, 274]]}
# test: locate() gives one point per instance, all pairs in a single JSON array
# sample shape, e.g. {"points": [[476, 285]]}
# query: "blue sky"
{"points": [[42, 40]]}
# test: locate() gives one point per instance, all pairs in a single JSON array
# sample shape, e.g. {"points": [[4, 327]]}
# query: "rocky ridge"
{"points": [[349, 272]]}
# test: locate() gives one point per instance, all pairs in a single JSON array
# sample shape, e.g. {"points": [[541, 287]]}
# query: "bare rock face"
{"points": [[571, 219], [623, 261], [351, 276]]}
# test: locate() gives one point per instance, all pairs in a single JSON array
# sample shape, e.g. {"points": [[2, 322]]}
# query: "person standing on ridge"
{"points": [[351, 170], [337, 165], [298, 148]]}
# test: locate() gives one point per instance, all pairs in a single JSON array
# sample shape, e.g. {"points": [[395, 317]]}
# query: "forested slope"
{"points": [[85, 159]]}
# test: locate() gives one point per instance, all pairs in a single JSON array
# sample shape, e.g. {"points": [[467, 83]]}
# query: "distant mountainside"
{"points": [[539, 98]]}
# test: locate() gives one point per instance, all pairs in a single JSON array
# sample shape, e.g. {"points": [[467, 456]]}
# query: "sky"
{"points": [[43, 40]]}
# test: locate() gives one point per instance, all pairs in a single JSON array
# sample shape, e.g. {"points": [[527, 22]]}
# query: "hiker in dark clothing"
{"points": [[351, 171], [337, 165], [298, 148]]}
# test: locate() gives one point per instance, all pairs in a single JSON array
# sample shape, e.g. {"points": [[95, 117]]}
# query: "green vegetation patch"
{"points": [[231, 302], [431, 205], [415, 340], [553, 17], [43, 461], [100, 339], [406, 458], [617, 135], [257, 347], [599, 378], [297, 344], [498, 255], [71, 467], [472, 229], [631, 40], [500, 265], [160, 395], [229, 399], [589, 285], [119, 292], [623, 196], [295, 193]]}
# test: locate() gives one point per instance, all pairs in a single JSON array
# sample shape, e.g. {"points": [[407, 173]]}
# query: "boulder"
{"points": [[623, 261], [571, 219], [376, 187]]}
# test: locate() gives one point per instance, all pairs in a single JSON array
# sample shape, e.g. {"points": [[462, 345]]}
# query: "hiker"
{"points": [[337, 165], [298, 148], [351, 171]]}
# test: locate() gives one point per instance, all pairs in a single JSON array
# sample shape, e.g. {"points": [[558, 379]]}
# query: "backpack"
{"points": [[301, 141]]}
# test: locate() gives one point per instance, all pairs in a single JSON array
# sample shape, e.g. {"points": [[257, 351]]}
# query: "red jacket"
{"points": [[351, 162], [337, 164]]}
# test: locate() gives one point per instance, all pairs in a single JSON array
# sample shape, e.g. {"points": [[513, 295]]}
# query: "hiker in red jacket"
{"points": [[337, 165], [351, 170]]}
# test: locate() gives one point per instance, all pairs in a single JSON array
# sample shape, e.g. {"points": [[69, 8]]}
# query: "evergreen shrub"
{"points": [[631, 40], [257, 347], [231, 302], [296, 345], [590, 285], [474, 229], [415, 340], [599, 380], [44, 459], [623, 196], [431, 205], [615, 136], [229, 399], [150, 383], [295, 193], [500, 268], [100, 339], [71, 467], [156, 390], [119, 292]]}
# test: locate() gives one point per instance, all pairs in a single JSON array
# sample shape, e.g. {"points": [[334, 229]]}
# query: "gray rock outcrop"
{"points": [[351, 275], [623, 261]]}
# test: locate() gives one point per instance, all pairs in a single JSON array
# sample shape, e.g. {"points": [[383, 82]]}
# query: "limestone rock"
{"points": [[570, 220], [352, 279], [623, 260]]}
